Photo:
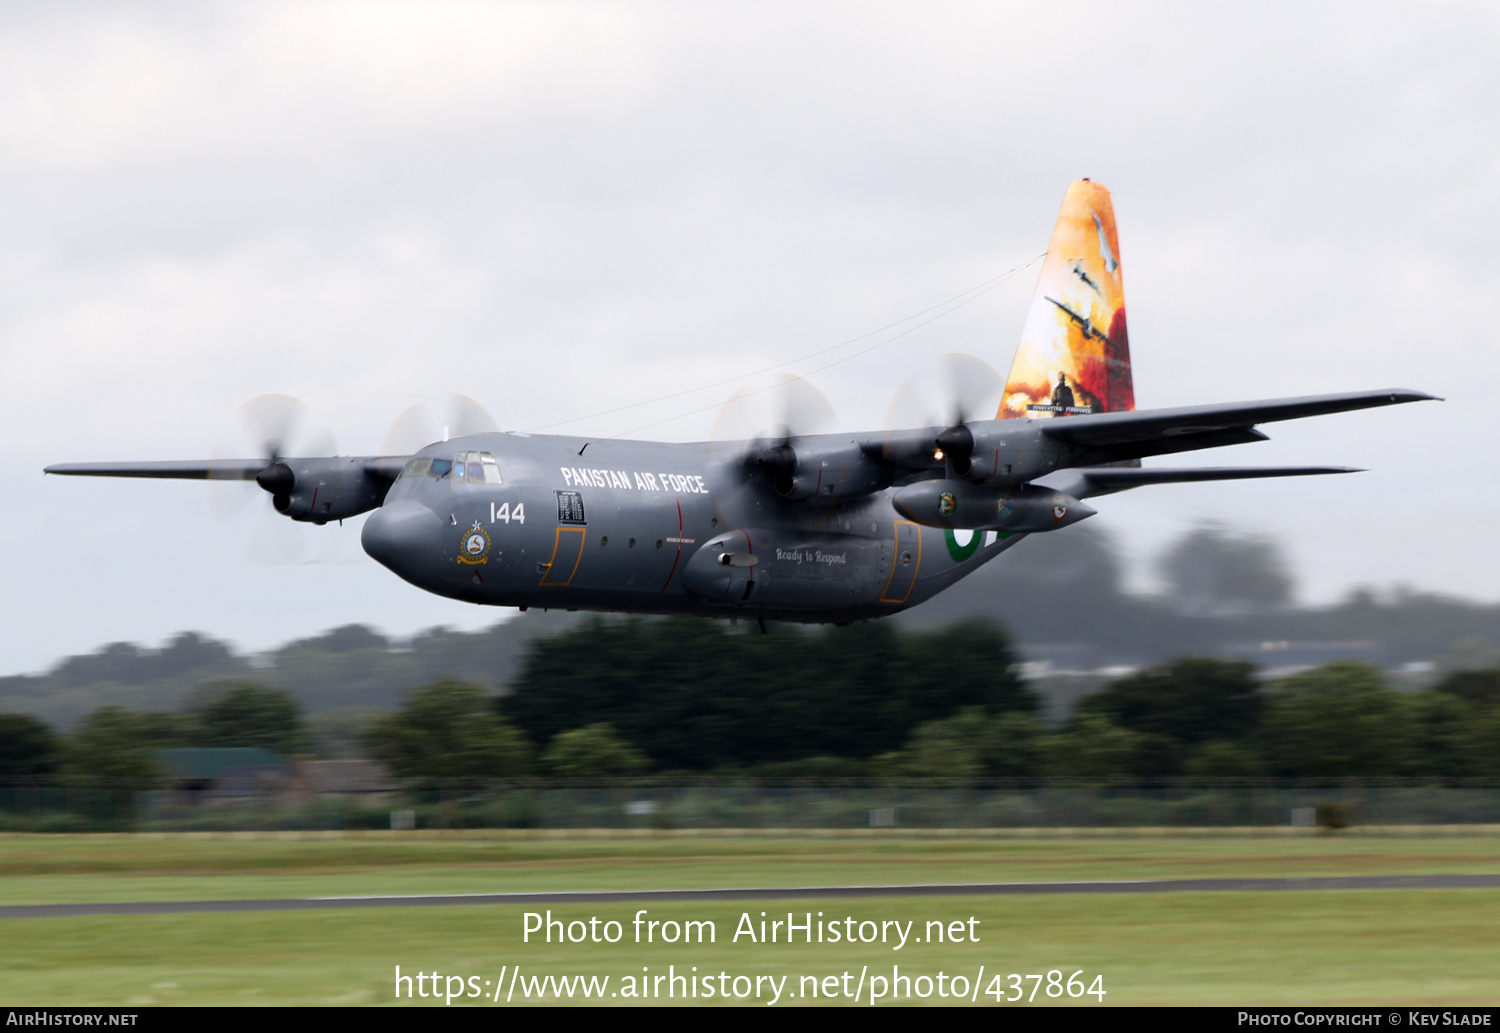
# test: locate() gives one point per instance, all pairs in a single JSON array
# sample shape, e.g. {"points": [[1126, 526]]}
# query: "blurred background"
{"points": [[1216, 703]]}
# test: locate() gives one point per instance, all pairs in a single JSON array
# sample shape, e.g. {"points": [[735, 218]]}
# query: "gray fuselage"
{"points": [[650, 527]]}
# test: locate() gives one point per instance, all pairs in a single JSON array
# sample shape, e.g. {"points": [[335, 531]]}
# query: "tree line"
{"points": [[619, 698]]}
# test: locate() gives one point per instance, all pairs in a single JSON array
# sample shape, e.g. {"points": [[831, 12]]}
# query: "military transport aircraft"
{"points": [[809, 528]]}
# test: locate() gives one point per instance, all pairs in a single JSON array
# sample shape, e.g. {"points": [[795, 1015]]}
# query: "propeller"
{"points": [[959, 388], [272, 428], [436, 419], [760, 425]]}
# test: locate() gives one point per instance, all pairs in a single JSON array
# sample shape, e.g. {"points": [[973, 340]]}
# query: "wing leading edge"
{"points": [[1171, 429]]}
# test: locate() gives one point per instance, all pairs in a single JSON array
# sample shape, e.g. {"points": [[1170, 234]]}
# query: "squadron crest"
{"points": [[476, 547]]}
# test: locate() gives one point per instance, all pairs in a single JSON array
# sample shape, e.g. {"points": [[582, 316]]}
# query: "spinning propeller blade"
{"points": [[436, 419], [760, 425], [273, 427], [945, 399]]}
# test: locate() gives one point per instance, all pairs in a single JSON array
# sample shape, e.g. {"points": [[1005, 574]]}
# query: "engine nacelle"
{"points": [[319, 490], [960, 504], [1009, 452], [842, 473]]}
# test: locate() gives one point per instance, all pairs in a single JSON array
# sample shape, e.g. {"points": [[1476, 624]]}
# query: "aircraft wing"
{"points": [[189, 470], [385, 467], [1154, 431], [1089, 481]]}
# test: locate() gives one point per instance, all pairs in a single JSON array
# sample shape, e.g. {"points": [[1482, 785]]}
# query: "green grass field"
{"points": [[1325, 947]]}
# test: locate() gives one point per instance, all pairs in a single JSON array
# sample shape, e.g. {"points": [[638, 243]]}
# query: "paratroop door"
{"points": [[566, 553], [905, 563]]}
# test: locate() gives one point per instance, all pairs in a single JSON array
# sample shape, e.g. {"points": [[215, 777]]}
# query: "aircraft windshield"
{"points": [[466, 467]]}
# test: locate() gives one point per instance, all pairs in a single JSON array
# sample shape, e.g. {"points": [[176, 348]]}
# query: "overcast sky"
{"points": [[562, 208]]}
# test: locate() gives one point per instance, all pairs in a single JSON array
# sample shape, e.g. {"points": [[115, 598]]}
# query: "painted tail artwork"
{"points": [[1074, 355]]}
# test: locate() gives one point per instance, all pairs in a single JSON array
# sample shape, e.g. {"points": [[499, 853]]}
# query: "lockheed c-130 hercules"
{"points": [[813, 528]]}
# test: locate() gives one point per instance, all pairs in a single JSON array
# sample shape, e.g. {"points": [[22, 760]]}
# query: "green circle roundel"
{"points": [[961, 551]]}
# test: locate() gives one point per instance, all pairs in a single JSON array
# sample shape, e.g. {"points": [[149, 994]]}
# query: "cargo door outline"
{"points": [[903, 576], [567, 553]]}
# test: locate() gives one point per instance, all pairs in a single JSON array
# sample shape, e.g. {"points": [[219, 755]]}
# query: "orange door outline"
{"points": [[552, 578], [890, 582]]}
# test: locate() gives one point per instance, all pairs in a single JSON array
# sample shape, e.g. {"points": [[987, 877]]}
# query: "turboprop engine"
{"points": [[319, 490], [960, 504]]}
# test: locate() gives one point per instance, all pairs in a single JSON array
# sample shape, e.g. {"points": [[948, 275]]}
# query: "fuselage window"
{"points": [[491, 468]]}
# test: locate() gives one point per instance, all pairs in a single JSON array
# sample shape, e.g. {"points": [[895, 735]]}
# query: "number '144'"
{"points": [[506, 513]]}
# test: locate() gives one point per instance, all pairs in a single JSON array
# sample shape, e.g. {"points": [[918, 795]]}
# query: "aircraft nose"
{"points": [[404, 536]]}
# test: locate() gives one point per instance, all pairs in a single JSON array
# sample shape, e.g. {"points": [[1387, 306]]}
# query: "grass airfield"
{"points": [[1386, 947]]}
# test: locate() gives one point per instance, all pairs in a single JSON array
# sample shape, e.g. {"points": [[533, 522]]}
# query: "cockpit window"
{"points": [[470, 467], [476, 468]]}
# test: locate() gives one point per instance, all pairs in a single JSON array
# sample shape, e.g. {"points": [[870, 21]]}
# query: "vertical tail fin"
{"points": [[1074, 355]]}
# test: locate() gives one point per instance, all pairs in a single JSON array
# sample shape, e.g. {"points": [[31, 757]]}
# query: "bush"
{"points": [[1092, 747], [971, 744], [1222, 760], [594, 751]]}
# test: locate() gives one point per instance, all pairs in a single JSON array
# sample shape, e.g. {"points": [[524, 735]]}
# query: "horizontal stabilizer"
{"points": [[1152, 431], [1086, 482]]}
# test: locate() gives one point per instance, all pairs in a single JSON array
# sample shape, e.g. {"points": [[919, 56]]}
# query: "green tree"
{"points": [[1440, 730], [1479, 688], [449, 730], [690, 694], [27, 747], [1093, 747], [971, 744], [1191, 700], [1015, 746], [951, 747], [1221, 759], [593, 751], [109, 745], [1485, 739], [156, 730], [1335, 721], [248, 715]]}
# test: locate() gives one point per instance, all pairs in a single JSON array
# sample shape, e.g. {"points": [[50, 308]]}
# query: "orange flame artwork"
{"points": [[1074, 355]]}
